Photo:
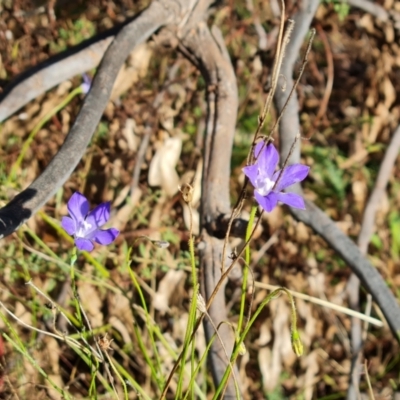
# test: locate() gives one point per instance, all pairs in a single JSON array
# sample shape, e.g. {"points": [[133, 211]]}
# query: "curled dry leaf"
{"points": [[380, 119], [23, 314], [168, 286], [124, 213], [271, 361], [310, 363], [162, 167], [302, 232], [135, 69], [91, 303], [118, 308], [129, 133], [360, 190], [383, 211], [53, 358], [195, 219], [389, 92], [196, 184], [121, 327], [309, 332]]}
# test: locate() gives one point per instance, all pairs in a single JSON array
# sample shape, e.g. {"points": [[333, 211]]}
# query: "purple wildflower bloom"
{"points": [[85, 225], [269, 184], [86, 84]]}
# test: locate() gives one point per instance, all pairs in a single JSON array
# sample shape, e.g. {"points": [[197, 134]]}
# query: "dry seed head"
{"points": [[105, 343], [201, 304], [297, 345], [187, 192], [242, 349]]}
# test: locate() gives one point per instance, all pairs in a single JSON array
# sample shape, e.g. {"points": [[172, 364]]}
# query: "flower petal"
{"points": [[292, 200], [78, 207], [69, 225], [268, 160], [86, 84], [269, 202], [257, 149], [99, 216], [84, 244], [251, 172], [291, 175], [106, 236]]}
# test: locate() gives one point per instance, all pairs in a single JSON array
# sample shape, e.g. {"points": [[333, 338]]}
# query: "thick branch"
{"points": [[289, 126], [209, 54], [57, 69], [346, 248], [371, 7]]}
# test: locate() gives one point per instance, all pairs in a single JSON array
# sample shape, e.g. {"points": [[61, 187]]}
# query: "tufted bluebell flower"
{"points": [[85, 226], [269, 184], [86, 84]]}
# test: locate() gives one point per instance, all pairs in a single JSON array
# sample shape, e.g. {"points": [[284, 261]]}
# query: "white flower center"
{"points": [[84, 228], [264, 185]]}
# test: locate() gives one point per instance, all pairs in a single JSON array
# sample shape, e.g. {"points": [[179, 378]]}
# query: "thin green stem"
{"points": [[56, 225], [78, 314], [113, 367], [200, 363], [246, 266], [154, 371]]}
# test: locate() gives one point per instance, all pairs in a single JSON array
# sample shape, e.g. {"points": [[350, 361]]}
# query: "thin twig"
{"points": [[326, 304], [70, 341], [201, 306], [371, 7], [54, 306]]}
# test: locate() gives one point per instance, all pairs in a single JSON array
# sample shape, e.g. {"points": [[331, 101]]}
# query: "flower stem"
{"points": [[74, 257], [246, 266]]}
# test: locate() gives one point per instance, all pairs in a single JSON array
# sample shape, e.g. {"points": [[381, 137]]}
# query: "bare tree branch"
{"points": [[368, 275], [289, 125], [53, 71], [209, 54], [370, 7], [313, 216]]}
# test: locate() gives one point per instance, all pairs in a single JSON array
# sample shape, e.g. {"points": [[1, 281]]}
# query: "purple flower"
{"points": [[269, 184], [85, 225], [86, 84]]}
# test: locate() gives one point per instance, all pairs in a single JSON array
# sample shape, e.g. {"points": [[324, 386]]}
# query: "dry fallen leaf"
{"points": [[167, 288], [162, 167], [310, 362], [91, 302], [135, 69]]}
